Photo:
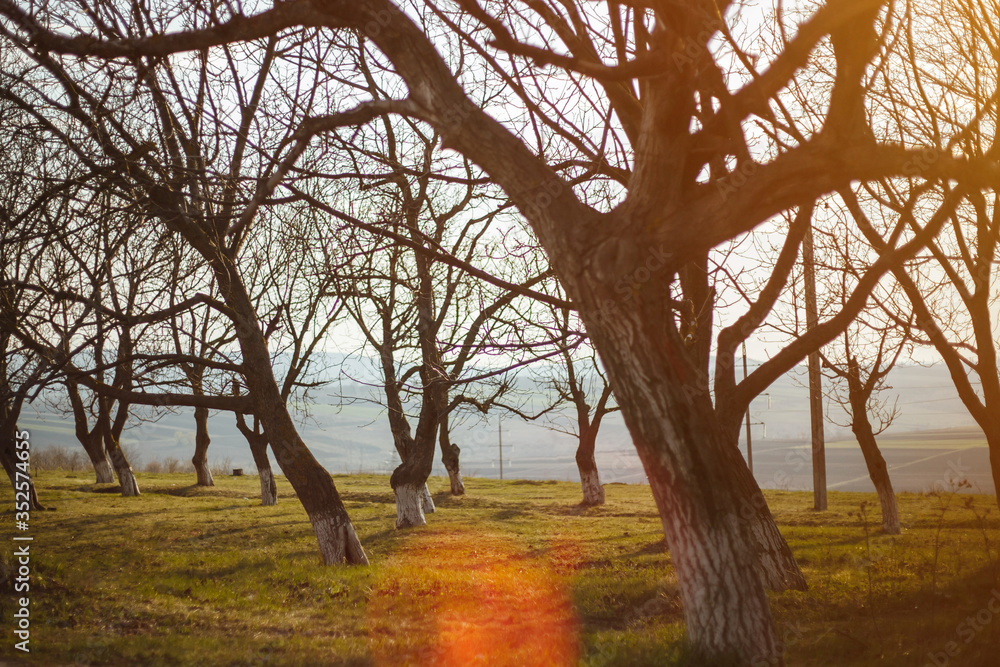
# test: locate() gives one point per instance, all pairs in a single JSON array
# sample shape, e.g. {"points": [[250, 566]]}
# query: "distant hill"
{"points": [[357, 438]]}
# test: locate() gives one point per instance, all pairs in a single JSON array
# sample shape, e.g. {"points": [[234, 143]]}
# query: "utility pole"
{"points": [[749, 445], [815, 379], [500, 447]]}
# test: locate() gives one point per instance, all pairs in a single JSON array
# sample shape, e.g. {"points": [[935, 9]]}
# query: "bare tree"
{"points": [[160, 162], [686, 96], [428, 322], [257, 440], [577, 379], [941, 91], [860, 362]]}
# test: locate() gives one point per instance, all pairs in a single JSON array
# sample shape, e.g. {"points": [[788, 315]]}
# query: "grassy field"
{"points": [[514, 573]]}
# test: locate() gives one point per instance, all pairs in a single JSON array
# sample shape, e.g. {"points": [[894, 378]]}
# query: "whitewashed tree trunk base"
{"points": [[204, 473], [890, 512], [338, 543], [593, 492], [428, 502], [105, 473], [409, 506], [127, 480], [268, 489], [457, 485]]}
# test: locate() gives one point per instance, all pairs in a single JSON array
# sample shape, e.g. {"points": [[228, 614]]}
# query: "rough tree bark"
{"points": [[588, 422], [416, 450], [776, 564], [689, 465]]}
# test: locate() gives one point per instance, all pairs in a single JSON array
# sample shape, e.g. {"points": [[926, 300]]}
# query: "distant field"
{"points": [[512, 574], [948, 438]]}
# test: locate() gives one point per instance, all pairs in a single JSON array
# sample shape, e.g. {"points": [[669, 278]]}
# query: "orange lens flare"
{"points": [[458, 599]]}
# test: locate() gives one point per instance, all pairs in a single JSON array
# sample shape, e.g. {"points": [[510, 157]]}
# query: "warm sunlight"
{"points": [[485, 601]]}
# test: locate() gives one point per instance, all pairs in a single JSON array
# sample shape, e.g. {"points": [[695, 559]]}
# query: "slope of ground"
{"points": [[512, 574]]}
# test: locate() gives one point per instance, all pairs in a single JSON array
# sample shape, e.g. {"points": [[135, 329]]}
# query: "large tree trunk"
{"points": [[409, 479], [449, 457], [777, 564], [112, 432], [416, 453], [338, 542], [725, 606], [126, 478], [201, 442], [93, 444], [590, 480], [690, 465]]}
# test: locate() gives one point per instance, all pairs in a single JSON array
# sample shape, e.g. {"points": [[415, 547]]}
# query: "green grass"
{"points": [[514, 573]]}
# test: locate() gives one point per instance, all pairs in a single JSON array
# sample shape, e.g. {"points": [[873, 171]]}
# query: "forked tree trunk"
{"points": [[409, 479], [712, 546], [258, 448], [449, 457], [111, 432], [201, 442], [338, 542], [590, 480]]}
